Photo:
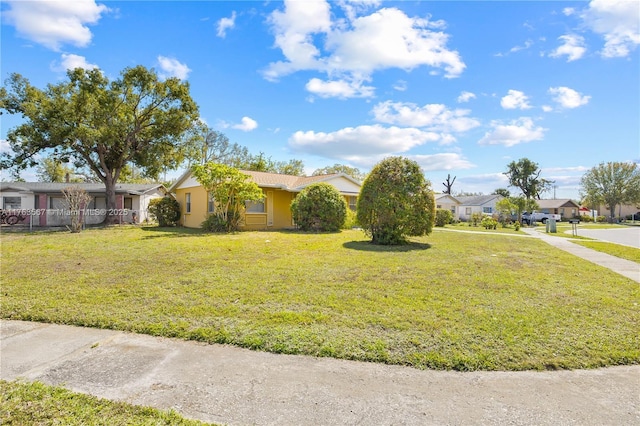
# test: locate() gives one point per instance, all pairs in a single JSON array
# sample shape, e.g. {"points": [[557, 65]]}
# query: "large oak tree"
{"points": [[104, 125], [524, 174]]}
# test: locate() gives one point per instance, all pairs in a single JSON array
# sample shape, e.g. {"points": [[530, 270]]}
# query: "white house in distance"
{"points": [[42, 203], [463, 206]]}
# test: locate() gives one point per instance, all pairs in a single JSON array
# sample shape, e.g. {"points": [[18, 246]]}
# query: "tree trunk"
{"points": [[110, 190], [612, 213]]}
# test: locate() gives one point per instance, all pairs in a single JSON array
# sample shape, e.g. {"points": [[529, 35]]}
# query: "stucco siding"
{"points": [[282, 209], [199, 203]]}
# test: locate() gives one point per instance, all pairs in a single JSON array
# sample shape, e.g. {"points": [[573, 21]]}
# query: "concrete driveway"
{"points": [[629, 236]]}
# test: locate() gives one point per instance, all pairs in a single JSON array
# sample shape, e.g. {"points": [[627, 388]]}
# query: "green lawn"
{"points": [[447, 301], [624, 252], [38, 404]]}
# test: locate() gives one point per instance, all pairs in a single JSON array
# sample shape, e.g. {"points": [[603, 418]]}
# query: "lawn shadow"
{"points": [[369, 246]]}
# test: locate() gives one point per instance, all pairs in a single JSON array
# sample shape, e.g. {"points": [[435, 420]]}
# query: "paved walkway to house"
{"points": [[622, 266], [234, 386]]}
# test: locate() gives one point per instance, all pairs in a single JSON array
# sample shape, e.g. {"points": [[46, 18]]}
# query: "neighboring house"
{"points": [[621, 211], [566, 208], [476, 204], [448, 202], [43, 203], [273, 212]]}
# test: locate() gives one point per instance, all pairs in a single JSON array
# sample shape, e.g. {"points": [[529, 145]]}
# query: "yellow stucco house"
{"points": [[273, 213]]}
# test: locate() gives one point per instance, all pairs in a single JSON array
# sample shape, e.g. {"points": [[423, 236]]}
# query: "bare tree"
{"points": [[448, 184], [76, 200]]}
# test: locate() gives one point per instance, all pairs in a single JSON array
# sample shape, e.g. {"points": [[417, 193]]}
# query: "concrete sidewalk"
{"points": [[622, 266], [235, 386]]}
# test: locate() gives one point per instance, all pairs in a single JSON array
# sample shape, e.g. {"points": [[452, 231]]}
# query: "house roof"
{"points": [[275, 180], [40, 187], [439, 197], [554, 204], [477, 200]]}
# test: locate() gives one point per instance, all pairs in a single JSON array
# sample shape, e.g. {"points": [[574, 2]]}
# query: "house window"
{"points": [[487, 210], [453, 210], [467, 211], [10, 203], [57, 203], [128, 203], [97, 203], [254, 206], [187, 202], [210, 203], [353, 201], [439, 206]]}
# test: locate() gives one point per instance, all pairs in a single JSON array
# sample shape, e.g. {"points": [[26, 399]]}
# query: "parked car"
{"points": [[535, 216]]}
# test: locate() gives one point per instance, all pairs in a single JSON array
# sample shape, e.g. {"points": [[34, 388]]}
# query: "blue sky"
{"points": [[463, 88]]}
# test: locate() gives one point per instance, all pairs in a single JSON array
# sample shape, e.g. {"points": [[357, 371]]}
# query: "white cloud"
{"points": [[516, 132], [362, 145], [70, 61], [392, 40], [247, 124], [466, 97], [4, 146], [443, 161], [573, 47], [433, 117], [547, 108], [617, 21], [515, 99], [527, 44], [355, 47], [342, 89], [171, 67], [568, 98], [400, 86], [54, 23], [225, 24], [568, 11]]}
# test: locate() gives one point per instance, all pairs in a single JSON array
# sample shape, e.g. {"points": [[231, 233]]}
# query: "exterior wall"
{"points": [[199, 204], [620, 211], [277, 212], [344, 185], [448, 204], [282, 209], [564, 212], [464, 214], [141, 204], [26, 200]]}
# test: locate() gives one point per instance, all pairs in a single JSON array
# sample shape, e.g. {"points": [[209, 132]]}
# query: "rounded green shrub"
{"points": [[165, 210], [443, 217], [319, 207], [396, 201]]}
